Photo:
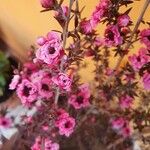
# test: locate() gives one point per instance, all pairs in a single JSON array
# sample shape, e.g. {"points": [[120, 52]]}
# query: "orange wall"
{"points": [[22, 21]]}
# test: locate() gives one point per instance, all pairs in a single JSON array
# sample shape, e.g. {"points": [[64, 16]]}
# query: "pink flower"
{"points": [[65, 125], [48, 144], [137, 61], [118, 123], [145, 37], [109, 71], [44, 88], [50, 53], [126, 132], [81, 99], [42, 80], [78, 101], [37, 144], [47, 3], [98, 41], [27, 91], [29, 68], [84, 88], [63, 81], [51, 146], [121, 125], [61, 113], [45, 127], [14, 82], [112, 36], [5, 122], [86, 27], [125, 102], [123, 20], [99, 12], [146, 81], [65, 10]]}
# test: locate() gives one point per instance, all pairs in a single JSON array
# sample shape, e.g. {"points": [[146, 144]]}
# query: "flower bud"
{"points": [[47, 3], [123, 20], [41, 41]]}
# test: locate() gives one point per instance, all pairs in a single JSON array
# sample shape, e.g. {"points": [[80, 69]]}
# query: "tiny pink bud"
{"points": [[45, 127], [123, 20], [125, 30], [41, 41], [47, 3], [65, 57]]}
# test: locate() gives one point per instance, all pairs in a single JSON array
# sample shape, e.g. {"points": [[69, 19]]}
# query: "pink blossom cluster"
{"points": [[65, 123], [112, 36], [40, 85], [113, 33], [44, 144], [146, 80], [39, 79], [81, 99], [121, 126], [100, 12], [138, 60], [87, 26], [145, 37], [125, 101], [123, 20]]}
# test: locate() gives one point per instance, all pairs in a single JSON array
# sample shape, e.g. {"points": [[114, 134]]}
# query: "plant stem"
{"points": [[65, 35], [65, 30], [130, 39]]}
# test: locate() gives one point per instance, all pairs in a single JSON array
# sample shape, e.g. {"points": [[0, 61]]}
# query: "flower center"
{"points": [[110, 35], [64, 80], [148, 37], [138, 59], [79, 99], [4, 123], [45, 87], [68, 124], [26, 91], [51, 50]]}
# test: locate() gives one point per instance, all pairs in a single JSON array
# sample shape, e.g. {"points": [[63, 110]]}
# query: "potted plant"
{"points": [[69, 114]]}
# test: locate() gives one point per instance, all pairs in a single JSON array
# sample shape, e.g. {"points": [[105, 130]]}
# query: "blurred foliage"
{"points": [[4, 72]]}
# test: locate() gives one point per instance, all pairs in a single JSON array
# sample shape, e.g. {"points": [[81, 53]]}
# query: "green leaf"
{"points": [[2, 81]]}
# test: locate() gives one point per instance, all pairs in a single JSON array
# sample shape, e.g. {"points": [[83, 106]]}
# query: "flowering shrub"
{"points": [[102, 111]]}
